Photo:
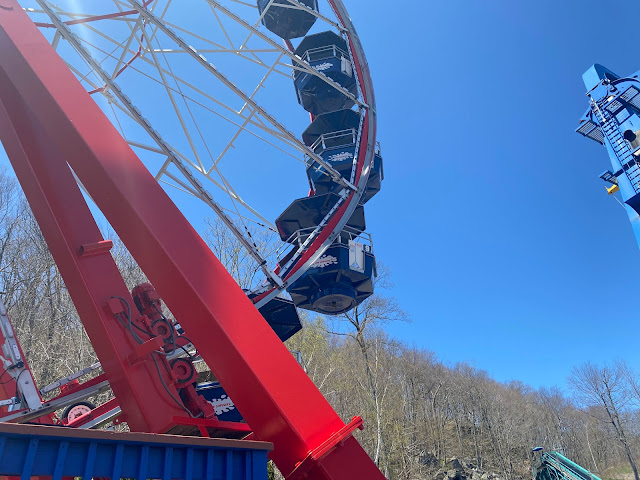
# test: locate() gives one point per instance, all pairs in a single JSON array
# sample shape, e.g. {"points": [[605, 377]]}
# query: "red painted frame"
{"points": [[67, 225], [48, 119]]}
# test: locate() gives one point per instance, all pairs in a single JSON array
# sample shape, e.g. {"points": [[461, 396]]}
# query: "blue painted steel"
{"points": [[333, 285], [55, 452], [328, 53], [333, 136], [594, 76], [613, 120], [286, 21]]}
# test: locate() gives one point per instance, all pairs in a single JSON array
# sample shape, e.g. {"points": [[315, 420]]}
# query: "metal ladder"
{"points": [[611, 130]]}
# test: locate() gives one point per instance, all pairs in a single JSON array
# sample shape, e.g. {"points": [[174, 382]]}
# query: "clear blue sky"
{"points": [[504, 247]]}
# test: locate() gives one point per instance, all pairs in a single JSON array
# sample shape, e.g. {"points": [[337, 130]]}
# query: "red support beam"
{"points": [[67, 225], [275, 396]]}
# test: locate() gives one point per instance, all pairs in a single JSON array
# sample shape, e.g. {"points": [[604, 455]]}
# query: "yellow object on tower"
{"points": [[613, 189]]}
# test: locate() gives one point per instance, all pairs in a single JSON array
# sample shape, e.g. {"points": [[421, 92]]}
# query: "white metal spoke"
{"points": [[252, 5], [180, 189], [223, 50], [56, 40], [257, 123], [224, 30], [185, 188], [130, 39], [242, 128], [264, 12], [238, 51], [176, 108], [222, 104], [144, 147], [74, 15], [195, 184], [296, 59], [162, 15], [201, 192], [220, 76]]}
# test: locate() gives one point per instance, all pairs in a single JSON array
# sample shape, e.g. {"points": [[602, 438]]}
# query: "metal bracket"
{"points": [[89, 249], [334, 441], [145, 349]]}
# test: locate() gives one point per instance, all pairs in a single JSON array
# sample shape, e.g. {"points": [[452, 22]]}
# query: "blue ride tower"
{"points": [[613, 120]]}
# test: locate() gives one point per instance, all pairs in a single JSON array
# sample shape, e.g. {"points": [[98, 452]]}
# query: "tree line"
{"points": [[418, 411]]}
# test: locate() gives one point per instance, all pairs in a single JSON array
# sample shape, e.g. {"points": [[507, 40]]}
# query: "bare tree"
{"points": [[606, 388], [375, 311], [234, 256]]}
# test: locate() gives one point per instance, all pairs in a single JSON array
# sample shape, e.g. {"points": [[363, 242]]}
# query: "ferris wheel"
{"points": [[232, 104]]}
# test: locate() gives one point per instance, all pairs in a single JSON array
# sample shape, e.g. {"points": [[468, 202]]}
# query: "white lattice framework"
{"points": [[204, 94]]}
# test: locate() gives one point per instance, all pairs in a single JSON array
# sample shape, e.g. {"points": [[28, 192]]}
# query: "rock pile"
{"points": [[456, 469]]}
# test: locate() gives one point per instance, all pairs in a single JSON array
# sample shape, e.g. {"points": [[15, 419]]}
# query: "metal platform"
{"points": [[56, 452]]}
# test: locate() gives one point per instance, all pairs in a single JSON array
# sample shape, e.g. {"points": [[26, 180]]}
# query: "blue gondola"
{"points": [[300, 218], [334, 137], [341, 278], [328, 53], [285, 19], [225, 409], [338, 281], [282, 316]]}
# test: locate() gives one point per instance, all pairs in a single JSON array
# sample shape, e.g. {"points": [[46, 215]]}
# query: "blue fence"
{"points": [[30, 450]]}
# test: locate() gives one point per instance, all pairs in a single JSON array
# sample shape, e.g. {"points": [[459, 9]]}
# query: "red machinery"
{"points": [[49, 126]]}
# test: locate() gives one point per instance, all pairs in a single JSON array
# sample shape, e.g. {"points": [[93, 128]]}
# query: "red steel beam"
{"points": [[67, 225], [275, 396]]}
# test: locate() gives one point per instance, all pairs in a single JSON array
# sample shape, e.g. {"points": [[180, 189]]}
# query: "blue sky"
{"points": [[504, 247]]}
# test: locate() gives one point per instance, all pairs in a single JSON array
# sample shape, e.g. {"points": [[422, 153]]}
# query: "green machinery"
{"points": [[555, 466]]}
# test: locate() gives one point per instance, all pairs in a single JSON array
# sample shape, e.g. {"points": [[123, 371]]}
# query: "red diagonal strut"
{"points": [[272, 392], [67, 225]]}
